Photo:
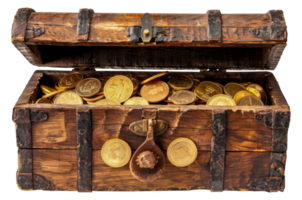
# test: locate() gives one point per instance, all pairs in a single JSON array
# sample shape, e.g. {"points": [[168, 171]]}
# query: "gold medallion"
{"points": [[136, 101], [119, 88], [135, 83], [261, 90], [180, 82], [88, 87], [116, 153], [242, 93], [183, 97], [250, 101], [232, 88], [108, 102], [254, 91], [182, 152], [69, 97], [205, 90], [155, 91], [154, 77], [70, 80], [221, 100]]}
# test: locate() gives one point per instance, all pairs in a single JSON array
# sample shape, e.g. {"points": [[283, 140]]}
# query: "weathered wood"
{"points": [[84, 138], [281, 119], [20, 24], [84, 20], [274, 56], [268, 184], [34, 31], [25, 169], [277, 167], [218, 150], [214, 26], [278, 27]]}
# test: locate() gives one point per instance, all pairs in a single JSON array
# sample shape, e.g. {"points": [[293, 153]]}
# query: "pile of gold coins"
{"points": [[178, 90]]}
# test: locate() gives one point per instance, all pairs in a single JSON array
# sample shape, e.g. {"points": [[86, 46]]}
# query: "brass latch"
{"points": [[146, 31], [141, 127]]}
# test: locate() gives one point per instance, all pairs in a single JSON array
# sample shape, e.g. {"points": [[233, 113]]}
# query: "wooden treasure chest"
{"points": [[63, 146]]}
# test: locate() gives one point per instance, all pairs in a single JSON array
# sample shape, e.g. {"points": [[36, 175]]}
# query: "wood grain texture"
{"points": [[20, 24], [23, 127], [274, 56]]}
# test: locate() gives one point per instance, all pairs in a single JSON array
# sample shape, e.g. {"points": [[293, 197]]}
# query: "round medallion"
{"points": [[116, 153], [182, 152]]}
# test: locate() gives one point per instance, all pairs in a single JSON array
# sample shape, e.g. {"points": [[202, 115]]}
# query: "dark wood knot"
{"points": [[147, 159]]}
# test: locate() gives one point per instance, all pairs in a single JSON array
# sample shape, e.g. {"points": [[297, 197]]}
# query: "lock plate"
{"points": [[146, 30], [138, 127]]}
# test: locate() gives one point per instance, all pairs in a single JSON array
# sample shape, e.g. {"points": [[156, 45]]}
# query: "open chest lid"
{"points": [[88, 40]]}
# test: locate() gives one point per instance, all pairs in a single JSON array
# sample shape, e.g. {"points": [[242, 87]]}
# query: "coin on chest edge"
{"points": [[68, 97]]}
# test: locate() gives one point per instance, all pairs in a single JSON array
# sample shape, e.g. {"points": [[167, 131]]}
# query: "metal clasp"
{"points": [[146, 30]]}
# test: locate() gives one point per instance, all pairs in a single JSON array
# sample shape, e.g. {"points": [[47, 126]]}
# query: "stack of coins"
{"points": [[161, 88]]}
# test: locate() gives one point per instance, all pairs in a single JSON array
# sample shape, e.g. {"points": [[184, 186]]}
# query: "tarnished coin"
{"points": [[182, 152], [261, 90], [108, 102], [183, 97], [221, 100], [242, 93], [136, 101], [88, 87], [254, 91], [135, 83], [119, 88], [70, 80], [232, 88], [245, 84], [180, 82], [116, 153], [154, 77], [155, 91], [205, 90], [68, 97], [250, 101]]}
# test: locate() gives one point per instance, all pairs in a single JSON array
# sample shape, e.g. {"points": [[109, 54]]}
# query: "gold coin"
{"points": [[254, 91], [154, 77], [183, 97], [242, 93], [46, 90], [69, 97], [135, 83], [108, 102], [54, 98], [103, 81], [70, 80], [134, 93], [261, 90], [232, 88], [182, 152], [53, 93], [88, 87], [180, 82], [221, 100], [59, 88], [44, 100], [250, 101], [116, 153], [94, 98], [221, 86], [205, 91], [245, 84], [136, 101], [155, 91], [119, 88]]}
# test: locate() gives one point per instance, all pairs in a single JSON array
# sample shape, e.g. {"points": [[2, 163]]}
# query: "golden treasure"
{"points": [[254, 91], [242, 93], [136, 101], [182, 152], [180, 82], [155, 91], [70, 80], [221, 100], [205, 90], [232, 88], [68, 97], [183, 97], [250, 101], [261, 90], [116, 153], [88, 87], [119, 88], [154, 77]]}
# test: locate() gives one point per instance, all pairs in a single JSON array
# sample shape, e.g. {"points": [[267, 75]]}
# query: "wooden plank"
{"points": [[243, 167], [20, 24], [25, 169], [274, 56], [195, 176], [84, 153], [214, 25], [83, 28], [58, 167]]}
